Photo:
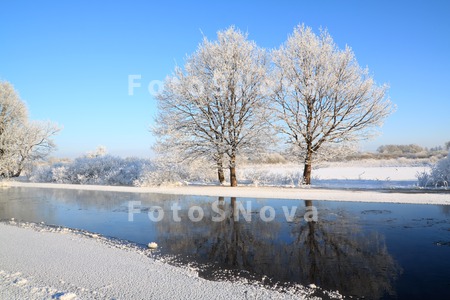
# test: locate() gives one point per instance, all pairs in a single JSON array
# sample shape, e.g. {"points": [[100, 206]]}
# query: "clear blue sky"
{"points": [[70, 60]]}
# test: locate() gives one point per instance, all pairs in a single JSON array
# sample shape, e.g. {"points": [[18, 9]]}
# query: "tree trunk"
{"points": [[19, 168], [233, 180], [307, 169], [220, 173]]}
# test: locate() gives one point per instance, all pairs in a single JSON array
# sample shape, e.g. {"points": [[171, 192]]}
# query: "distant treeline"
{"points": [[409, 149]]}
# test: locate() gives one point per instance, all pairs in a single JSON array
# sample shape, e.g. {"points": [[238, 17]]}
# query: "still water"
{"points": [[370, 250]]}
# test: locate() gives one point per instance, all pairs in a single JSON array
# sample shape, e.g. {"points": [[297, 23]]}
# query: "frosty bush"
{"points": [[102, 170], [260, 176], [52, 173], [167, 175], [167, 172], [439, 175], [265, 158]]}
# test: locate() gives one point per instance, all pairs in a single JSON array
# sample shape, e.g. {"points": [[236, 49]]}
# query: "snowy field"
{"points": [[365, 175]]}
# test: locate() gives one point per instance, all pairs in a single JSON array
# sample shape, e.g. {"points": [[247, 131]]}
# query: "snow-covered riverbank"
{"points": [[39, 262], [391, 196]]}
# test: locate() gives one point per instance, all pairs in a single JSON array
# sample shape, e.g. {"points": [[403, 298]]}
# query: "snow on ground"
{"points": [[349, 171], [388, 174], [306, 193], [368, 177], [369, 173], [41, 263]]}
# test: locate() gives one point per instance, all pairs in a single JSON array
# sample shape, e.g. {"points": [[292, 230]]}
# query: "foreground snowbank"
{"points": [[392, 196], [39, 263]]}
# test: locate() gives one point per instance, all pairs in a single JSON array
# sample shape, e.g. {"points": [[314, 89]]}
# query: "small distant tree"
{"points": [[99, 152], [447, 146], [21, 141], [389, 149], [323, 96], [216, 107]]}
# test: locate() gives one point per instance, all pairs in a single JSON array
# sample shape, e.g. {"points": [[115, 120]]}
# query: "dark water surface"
{"points": [[370, 250]]}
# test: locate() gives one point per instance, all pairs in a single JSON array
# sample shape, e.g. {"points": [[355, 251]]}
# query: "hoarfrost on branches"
{"points": [[216, 107], [439, 175], [106, 169], [21, 141], [101, 170], [323, 96], [100, 151]]}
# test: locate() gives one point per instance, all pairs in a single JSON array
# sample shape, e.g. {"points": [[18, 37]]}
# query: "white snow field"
{"points": [[59, 264], [365, 175], [370, 173]]}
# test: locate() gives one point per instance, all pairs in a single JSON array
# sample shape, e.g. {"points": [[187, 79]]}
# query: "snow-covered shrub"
{"points": [[264, 158], [102, 170], [166, 172], [162, 175], [424, 179], [439, 175], [54, 173], [285, 175]]}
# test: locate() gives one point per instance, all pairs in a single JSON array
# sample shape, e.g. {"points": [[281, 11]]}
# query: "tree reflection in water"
{"points": [[333, 252]]}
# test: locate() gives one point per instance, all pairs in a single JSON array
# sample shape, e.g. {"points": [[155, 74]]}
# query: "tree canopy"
{"points": [[216, 106], [21, 140]]}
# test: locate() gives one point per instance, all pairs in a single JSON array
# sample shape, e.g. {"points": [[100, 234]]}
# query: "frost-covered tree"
{"points": [[21, 140], [216, 107], [99, 152], [323, 95]]}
